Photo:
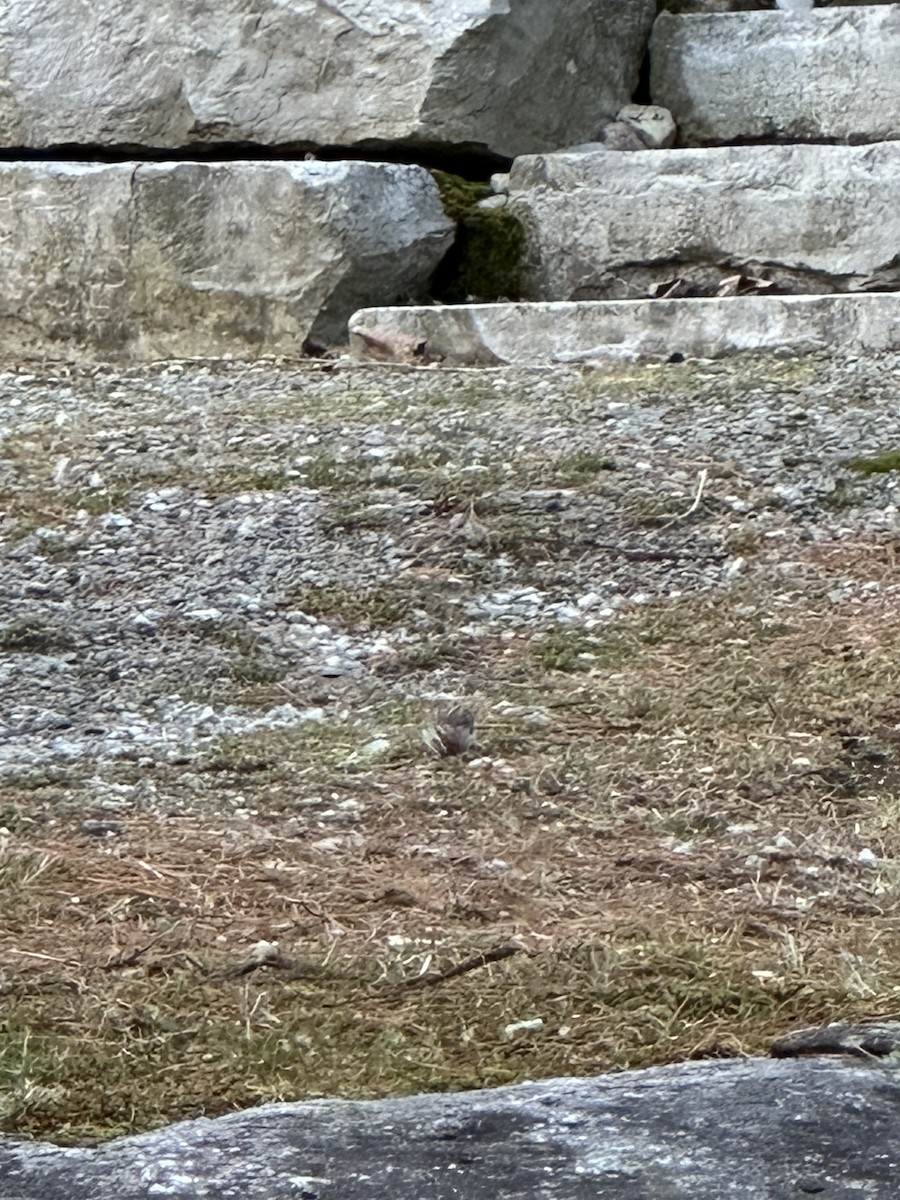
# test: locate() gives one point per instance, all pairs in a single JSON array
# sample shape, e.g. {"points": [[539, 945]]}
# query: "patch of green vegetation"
{"points": [[251, 664], [269, 753], [649, 511], [176, 1043], [486, 259], [429, 655], [566, 650], [273, 479], [876, 464], [253, 668], [383, 605], [349, 516], [491, 247], [525, 542], [744, 542], [231, 634], [98, 501], [458, 195], [31, 636], [327, 471], [579, 467]]}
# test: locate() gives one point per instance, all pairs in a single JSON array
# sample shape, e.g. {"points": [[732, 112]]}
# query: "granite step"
{"points": [[626, 330]]}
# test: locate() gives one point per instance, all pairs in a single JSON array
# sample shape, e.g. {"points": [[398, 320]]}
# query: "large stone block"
{"points": [[831, 74], [627, 330], [742, 1129], [512, 77], [185, 259], [608, 226]]}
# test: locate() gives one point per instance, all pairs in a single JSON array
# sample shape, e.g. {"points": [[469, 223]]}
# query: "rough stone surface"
{"points": [[532, 334], [184, 259], [701, 1131], [829, 74], [812, 218], [455, 73]]}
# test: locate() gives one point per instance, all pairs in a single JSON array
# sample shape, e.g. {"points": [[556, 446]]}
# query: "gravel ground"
{"points": [[173, 536]]}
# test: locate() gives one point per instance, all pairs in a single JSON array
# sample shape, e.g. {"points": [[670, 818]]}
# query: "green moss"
{"points": [[459, 195], [492, 244], [486, 258], [877, 464]]}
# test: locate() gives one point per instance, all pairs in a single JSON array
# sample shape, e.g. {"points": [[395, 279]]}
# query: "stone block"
{"points": [[189, 259], [828, 75], [362, 73], [811, 218]]}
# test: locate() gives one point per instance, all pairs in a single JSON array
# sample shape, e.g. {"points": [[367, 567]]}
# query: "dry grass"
{"points": [[665, 822]]}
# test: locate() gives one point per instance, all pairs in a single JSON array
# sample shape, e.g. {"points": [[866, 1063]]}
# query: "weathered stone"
{"points": [[459, 73], [636, 127], [700, 1131], [185, 259], [812, 218], [831, 74], [532, 334]]}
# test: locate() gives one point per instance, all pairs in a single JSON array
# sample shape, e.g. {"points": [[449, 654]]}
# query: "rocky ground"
{"points": [[235, 601]]}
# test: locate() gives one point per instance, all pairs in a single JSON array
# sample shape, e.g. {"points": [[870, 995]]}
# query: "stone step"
{"points": [[594, 332], [151, 260], [832, 73], [812, 218]]}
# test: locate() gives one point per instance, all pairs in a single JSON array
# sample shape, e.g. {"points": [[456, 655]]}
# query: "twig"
{"points": [[128, 960], [432, 978], [635, 555], [701, 484]]}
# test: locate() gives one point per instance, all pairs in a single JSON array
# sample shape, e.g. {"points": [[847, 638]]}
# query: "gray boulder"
{"points": [[190, 259], [742, 1129], [812, 218], [830, 74], [488, 73]]}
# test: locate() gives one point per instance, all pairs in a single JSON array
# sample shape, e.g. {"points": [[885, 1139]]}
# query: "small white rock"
{"points": [[515, 1027]]}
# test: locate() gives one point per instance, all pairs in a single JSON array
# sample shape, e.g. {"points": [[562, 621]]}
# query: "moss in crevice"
{"points": [[485, 260], [459, 195]]}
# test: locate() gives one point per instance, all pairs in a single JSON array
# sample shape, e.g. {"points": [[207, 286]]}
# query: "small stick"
{"points": [[701, 484], [123, 959], [496, 954]]}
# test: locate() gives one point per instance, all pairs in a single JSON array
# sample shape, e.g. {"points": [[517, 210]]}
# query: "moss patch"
{"points": [[877, 464], [485, 261]]}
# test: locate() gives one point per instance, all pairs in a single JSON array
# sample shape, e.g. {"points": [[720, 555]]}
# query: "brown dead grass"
{"points": [[667, 833]]}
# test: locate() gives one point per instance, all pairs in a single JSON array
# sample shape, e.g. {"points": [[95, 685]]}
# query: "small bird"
{"points": [[457, 731], [452, 734]]}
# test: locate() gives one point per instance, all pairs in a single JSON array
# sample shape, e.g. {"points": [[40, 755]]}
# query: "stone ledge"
{"points": [[616, 330]]}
